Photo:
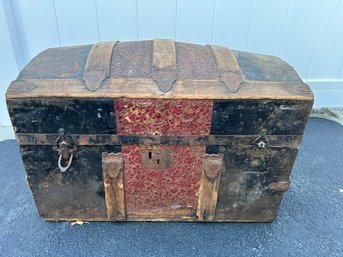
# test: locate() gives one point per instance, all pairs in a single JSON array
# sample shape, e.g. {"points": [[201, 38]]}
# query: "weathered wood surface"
{"points": [[97, 67], [209, 185], [164, 61], [214, 141], [77, 194], [259, 117], [139, 69], [57, 63], [147, 88], [113, 175], [97, 116], [244, 192], [257, 109], [228, 68], [180, 214], [81, 116]]}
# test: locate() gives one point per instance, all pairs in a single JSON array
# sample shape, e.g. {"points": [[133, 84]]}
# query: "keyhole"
{"points": [[158, 161], [150, 155]]}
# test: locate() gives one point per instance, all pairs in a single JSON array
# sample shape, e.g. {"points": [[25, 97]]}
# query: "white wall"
{"points": [[307, 34]]}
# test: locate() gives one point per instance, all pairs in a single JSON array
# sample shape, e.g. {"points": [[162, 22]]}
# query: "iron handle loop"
{"points": [[64, 169]]}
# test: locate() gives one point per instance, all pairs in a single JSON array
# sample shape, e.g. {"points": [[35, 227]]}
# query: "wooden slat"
{"points": [[291, 141], [113, 176], [146, 88], [164, 63], [209, 185], [97, 67], [180, 213], [225, 58], [228, 68]]}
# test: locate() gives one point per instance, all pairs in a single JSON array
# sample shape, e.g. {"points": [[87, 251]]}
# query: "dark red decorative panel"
{"points": [[163, 117], [162, 189]]}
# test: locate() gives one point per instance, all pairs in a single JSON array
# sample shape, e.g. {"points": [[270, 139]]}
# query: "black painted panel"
{"points": [[77, 193], [76, 116], [261, 67], [61, 62], [248, 170], [255, 117]]}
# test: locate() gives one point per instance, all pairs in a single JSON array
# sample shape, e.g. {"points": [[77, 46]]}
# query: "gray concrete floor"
{"points": [[310, 220]]}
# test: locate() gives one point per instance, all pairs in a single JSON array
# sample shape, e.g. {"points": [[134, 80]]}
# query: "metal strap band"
{"points": [[164, 64], [97, 67], [228, 68], [292, 141]]}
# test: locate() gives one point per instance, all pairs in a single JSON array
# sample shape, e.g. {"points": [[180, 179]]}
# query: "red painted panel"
{"points": [[162, 189], [163, 117]]}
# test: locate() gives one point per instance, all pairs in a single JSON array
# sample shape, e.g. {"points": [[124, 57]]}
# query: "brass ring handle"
{"points": [[64, 169]]}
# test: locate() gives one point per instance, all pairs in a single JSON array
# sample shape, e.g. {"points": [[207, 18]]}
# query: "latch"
{"points": [[156, 158], [65, 150], [261, 142]]}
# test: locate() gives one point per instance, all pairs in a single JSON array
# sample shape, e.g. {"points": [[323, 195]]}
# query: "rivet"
{"points": [[261, 144]]}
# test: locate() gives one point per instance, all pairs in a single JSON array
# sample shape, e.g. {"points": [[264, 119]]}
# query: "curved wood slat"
{"points": [[164, 63], [228, 68], [97, 67]]}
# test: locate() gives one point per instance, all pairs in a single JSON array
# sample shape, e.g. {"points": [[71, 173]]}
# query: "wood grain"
{"points": [[164, 63], [226, 60], [147, 88], [179, 213], [112, 165], [277, 141], [97, 67], [209, 185], [164, 53], [228, 68]]}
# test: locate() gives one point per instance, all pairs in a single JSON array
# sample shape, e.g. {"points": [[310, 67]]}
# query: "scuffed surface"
{"points": [[162, 189], [309, 221], [163, 117], [59, 62]]}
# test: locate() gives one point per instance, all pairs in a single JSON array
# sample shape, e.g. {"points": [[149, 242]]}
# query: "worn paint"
{"points": [[77, 193], [79, 116], [249, 110], [163, 117]]}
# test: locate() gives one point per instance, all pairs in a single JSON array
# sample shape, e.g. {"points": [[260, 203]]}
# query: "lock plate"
{"points": [[156, 158]]}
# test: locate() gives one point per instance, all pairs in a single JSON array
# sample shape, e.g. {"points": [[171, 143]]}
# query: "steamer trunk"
{"points": [[158, 130]]}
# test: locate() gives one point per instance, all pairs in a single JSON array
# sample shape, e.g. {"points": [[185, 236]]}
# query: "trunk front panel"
{"points": [[151, 159]]}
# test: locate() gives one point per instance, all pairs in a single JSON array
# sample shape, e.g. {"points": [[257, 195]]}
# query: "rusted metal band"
{"points": [[209, 184], [280, 141], [228, 68], [164, 64], [97, 66]]}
